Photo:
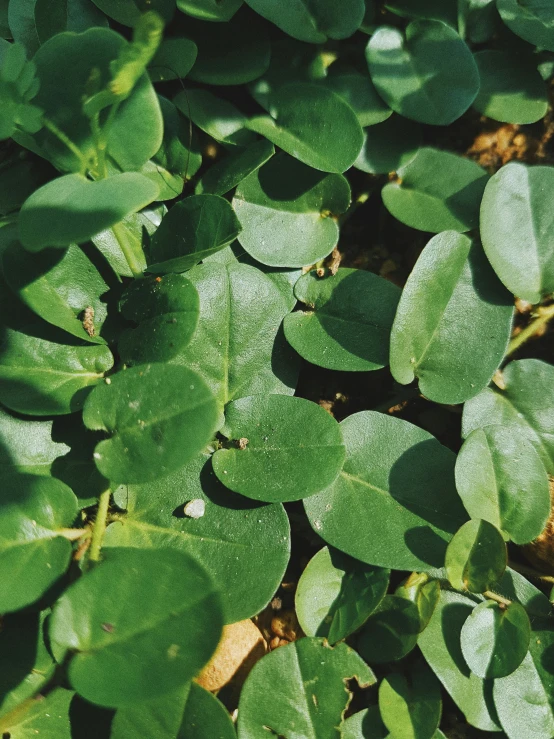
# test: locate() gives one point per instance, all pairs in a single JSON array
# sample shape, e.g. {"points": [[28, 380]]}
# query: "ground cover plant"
{"points": [[275, 287]]}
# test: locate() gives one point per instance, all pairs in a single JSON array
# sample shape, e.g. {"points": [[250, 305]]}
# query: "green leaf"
{"points": [[512, 90], [450, 333], [437, 191], [230, 53], [193, 229], [389, 146], [347, 320], [391, 632], [62, 286], [476, 557], [533, 20], [495, 638], [57, 16], [311, 702], [313, 22], [47, 717], [73, 209], [423, 593], [33, 554], [27, 446], [173, 60], [438, 10], [243, 545], [366, 724], [515, 229], [408, 492], [238, 349], [18, 86], [525, 405], [166, 632], [128, 13], [228, 172], [336, 594], [410, 705], [360, 93], [205, 717], [160, 717], [217, 117], [293, 448], [21, 25], [41, 377], [428, 76], [286, 208], [313, 124], [210, 10], [500, 478], [159, 416], [440, 644]]}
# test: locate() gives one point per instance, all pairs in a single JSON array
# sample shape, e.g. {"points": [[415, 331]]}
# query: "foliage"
{"points": [[169, 270]]}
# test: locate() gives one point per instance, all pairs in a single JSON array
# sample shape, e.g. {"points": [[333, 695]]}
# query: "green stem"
{"points": [[99, 526], [498, 598], [544, 315], [61, 136], [102, 171], [132, 250]]}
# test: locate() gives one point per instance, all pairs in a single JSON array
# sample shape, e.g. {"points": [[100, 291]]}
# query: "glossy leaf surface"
{"points": [[476, 557]]}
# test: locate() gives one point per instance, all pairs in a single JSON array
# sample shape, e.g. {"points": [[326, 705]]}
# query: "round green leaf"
{"points": [[243, 545], [336, 594], [424, 593], [512, 90], [389, 146], [59, 286], [230, 53], [476, 557], [72, 208], [313, 124], [57, 16], [391, 631], [495, 638], [217, 117], [500, 478], [160, 717], [525, 404], [429, 76], [210, 10], [158, 415], [410, 705], [238, 349], [366, 724], [27, 446], [313, 22], [533, 20], [294, 448], [360, 93], [407, 492], [47, 717], [347, 320], [33, 555], [285, 210], [450, 333], [226, 174], [516, 229], [193, 229], [437, 191], [44, 378], [166, 313], [205, 717], [312, 696], [173, 60], [166, 632]]}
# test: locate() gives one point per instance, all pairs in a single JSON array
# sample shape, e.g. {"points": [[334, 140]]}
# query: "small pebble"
{"points": [[195, 508]]}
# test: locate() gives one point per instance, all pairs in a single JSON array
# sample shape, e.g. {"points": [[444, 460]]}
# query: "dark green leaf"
{"points": [[159, 416], [312, 124], [451, 333], [366, 724], [128, 12], [210, 10], [286, 210], [410, 705], [21, 21], [495, 638], [515, 229], [18, 86], [408, 492], [428, 76], [167, 630], [193, 229], [57, 16], [217, 117], [72, 208], [391, 631], [173, 60], [359, 92], [437, 191], [243, 545], [33, 551], [291, 448], [501, 479], [424, 593], [205, 717], [533, 20], [389, 146], [346, 322], [476, 557], [311, 702], [228, 172], [44, 378]]}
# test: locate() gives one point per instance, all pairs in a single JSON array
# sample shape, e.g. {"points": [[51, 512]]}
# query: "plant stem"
{"points": [[99, 527], [544, 315], [61, 136], [132, 252], [498, 598]]}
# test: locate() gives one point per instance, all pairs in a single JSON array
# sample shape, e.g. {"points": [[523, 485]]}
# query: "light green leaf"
{"points": [[47, 717], [476, 557], [228, 172], [410, 705], [359, 92], [217, 117], [27, 446]]}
